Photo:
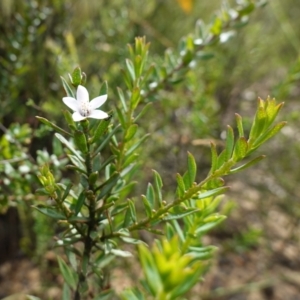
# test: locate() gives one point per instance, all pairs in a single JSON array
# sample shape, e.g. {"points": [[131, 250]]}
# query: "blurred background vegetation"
{"points": [[42, 40]]}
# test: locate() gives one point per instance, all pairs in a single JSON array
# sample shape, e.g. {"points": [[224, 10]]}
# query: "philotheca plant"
{"points": [[98, 211]]}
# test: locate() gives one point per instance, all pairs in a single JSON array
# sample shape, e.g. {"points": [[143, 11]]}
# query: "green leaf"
{"points": [[79, 202], [180, 186], [53, 126], [267, 135], [80, 141], [214, 192], [50, 212], [150, 270], [132, 210], [208, 226], [105, 295], [69, 146], [131, 132], [120, 253], [66, 191], [239, 122], [122, 98], [180, 215], [108, 185], [100, 130], [70, 277], [150, 195], [192, 167], [136, 145], [260, 120], [240, 149], [130, 240], [214, 157], [121, 117], [147, 206], [135, 98], [127, 219], [107, 139], [158, 184], [229, 143], [78, 163], [130, 69], [67, 88], [247, 165], [143, 111], [66, 292]]}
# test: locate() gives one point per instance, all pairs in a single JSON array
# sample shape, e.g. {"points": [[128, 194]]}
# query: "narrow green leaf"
{"points": [[80, 141], [130, 69], [78, 163], [108, 185], [150, 270], [122, 98], [66, 292], [211, 193], [143, 111], [53, 126], [107, 139], [180, 215], [100, 130], [67, 88], [150, 195], [229, 143], [267, 135], [158, 184], [240, 149], [69, 146], [79, 202], [120, 253], [131, 132], [239, 122], [132, 210], [192, 167], [180, 185], [247, 165], [121, 117], [208, 226], [136, 145], [50, 212], [66, 191], [187, 180], [70, 277], [147, 206], [214, 157], [135, 98], [127, 219]]}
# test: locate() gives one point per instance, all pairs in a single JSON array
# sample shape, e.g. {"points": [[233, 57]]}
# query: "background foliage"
{"points": [[42, 40]]}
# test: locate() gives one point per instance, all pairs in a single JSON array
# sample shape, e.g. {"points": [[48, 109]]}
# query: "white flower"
{"points": [[83, 108]]}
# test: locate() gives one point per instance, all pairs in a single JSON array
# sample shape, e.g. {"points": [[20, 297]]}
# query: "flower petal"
{"points": [[82, 95], [71, 103], [77, 116], [98, 114], [98, 101]]}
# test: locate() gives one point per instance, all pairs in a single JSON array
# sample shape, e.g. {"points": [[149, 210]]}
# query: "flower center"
{"points": [[85, 109]]}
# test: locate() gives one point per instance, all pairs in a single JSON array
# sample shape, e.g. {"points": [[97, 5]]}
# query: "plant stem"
{"points": [[88, 242]]}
